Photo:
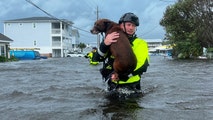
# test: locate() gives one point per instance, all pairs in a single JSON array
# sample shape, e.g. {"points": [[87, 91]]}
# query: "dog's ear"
{"points": [[108, 25]]}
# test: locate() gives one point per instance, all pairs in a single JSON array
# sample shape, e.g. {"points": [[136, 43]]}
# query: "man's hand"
{"points": [[111, 38], [114, 77]]}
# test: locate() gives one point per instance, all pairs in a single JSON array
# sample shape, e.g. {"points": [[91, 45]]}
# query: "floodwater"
{"points": [[71, 89]]}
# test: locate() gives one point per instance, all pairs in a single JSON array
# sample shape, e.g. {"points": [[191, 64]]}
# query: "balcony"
{"points": [[56, 44], [56, 31]]}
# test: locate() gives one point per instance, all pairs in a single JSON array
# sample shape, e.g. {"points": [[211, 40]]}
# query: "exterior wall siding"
{"points": [[31, 34]]}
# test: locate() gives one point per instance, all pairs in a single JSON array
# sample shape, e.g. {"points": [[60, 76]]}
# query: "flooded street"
{"points": [[71, 89]]}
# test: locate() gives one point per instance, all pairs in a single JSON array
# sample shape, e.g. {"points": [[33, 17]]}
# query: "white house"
{"points": [[153, 43], [4, 45], [49, 36], [75, 39]]}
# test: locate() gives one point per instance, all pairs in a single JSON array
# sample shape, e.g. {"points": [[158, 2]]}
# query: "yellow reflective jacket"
{"points": [[140, 49], [90, 56]]}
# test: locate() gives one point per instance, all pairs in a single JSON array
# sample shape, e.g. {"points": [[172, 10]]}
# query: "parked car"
{"points": [[75, 54]]}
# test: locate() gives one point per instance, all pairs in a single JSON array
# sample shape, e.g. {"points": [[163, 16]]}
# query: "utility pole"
{"points": [[98, 35]]}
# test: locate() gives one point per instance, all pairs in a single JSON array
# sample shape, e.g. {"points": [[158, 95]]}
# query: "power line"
{"points": [[148, 32], [29, 1]]}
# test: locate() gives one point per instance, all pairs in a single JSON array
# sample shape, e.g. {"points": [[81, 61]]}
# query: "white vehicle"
{"points": [[75, 54]]}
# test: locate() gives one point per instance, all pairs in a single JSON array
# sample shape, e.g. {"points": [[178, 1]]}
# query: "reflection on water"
{"points": [[117, 110], [70, 88]]}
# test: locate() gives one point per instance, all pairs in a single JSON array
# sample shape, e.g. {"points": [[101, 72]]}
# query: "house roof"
{"points": [[38, 19], [4, 38]]}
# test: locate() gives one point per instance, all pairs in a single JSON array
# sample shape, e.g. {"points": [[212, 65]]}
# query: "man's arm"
{"points": [[104, 46], [100, 54]]}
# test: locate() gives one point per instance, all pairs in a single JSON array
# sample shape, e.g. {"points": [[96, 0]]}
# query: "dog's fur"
{"points": [[125, 59]]}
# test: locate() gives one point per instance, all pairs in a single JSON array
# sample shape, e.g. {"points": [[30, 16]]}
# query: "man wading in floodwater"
{"points": [[128, 23]]}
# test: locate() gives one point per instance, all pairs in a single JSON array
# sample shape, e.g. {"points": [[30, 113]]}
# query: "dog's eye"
{"points": [[97, 25]]}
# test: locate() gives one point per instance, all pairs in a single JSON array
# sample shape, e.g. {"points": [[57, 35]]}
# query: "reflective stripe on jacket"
{"points": [[90, 55]]}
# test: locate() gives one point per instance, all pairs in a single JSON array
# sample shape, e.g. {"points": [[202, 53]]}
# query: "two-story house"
{"points": [[50, 36], [4, 45], [75, 39]]}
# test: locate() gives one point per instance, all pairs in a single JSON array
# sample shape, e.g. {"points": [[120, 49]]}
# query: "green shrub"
{"points": [[4, 59]]}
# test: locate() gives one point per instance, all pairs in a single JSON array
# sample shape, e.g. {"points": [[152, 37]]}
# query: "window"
{"points": [[34, 25], [2, 52], [34, 43]]}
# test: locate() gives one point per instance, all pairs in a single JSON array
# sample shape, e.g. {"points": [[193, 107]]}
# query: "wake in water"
{"points": [[123, 94]]}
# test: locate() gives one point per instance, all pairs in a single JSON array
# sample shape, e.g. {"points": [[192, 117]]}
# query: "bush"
{"points": [[4, 59], [209, 49]]}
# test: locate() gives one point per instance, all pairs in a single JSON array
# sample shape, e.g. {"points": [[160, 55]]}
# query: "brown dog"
{"points": [[125, 60]]}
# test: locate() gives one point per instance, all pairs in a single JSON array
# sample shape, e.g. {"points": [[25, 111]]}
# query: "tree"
{"points": [[82, 46], [204, 21], [181, 22]]}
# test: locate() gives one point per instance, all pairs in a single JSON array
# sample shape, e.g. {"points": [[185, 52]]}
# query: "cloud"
{"points": [[84, 13]]}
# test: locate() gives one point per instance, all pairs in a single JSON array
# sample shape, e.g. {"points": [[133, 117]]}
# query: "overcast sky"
{"points": [[84, 13]]}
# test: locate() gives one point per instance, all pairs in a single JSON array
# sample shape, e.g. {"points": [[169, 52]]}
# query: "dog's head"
{"points": [[101, 26]]}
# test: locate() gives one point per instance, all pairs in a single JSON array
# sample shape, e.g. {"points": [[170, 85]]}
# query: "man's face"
{"points": [[130, 27]]}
